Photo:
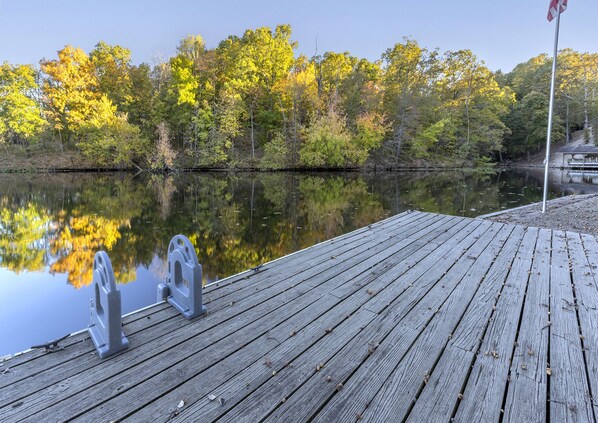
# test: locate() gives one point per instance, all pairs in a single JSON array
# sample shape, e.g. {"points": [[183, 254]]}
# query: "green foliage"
{"points": [[231, 104], [254, 70], [20, 115], [108, 139], [327, 142], [140, 109], [276, 154], [370, 131], [425, 141], [528, 121], [112, 68], [409, 98]]}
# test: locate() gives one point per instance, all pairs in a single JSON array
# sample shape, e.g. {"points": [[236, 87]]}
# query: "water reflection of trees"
{"points": [[56, 223], [23, 237]]}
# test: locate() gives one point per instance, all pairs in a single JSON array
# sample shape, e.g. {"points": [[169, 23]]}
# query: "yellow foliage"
{"points": [[70, 92]]}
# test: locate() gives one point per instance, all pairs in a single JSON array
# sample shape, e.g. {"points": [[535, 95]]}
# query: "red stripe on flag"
{"points": [[554, 7]]}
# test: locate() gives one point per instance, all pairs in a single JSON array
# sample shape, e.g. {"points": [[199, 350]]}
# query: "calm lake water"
{"points": [[52, 225]]}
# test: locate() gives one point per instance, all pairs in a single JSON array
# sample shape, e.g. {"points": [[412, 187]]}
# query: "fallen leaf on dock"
{"points": [[181, 404], [372, 346]]}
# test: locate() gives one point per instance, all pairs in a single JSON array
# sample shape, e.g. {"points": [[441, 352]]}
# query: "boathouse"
{"points": [[583, 156]]}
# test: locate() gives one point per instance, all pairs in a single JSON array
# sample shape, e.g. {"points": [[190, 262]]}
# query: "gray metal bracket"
{"points": [[183, 287], [105, 328]]}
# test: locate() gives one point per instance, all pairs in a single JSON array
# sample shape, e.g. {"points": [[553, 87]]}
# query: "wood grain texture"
{"points": [[569, 391], [420, 317], [526, 394]]}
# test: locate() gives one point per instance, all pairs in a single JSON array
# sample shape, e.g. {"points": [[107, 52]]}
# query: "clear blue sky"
{"points": [[502, 33]]}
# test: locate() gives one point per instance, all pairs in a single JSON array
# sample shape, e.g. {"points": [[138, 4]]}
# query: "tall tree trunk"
{"points": [[399, 138], [568, 139], [295, 143], [586, 122], [252, 137], [468, 124], [60, 140]]}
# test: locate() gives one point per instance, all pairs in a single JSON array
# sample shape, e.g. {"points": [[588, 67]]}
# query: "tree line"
{"points": [[252, 102]]}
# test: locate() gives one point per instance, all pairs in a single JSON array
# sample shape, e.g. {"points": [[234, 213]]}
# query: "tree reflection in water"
{"points": [[56, 223]]}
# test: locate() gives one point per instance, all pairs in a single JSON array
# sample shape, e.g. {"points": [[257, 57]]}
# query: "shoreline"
{"points": [[575, 213], [199, 169]]}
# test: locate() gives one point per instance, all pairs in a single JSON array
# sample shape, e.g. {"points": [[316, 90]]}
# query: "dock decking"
{"points": [[420, 318]]}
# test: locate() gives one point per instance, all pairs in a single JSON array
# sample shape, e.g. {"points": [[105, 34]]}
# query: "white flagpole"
{"points": [[551, 106]]}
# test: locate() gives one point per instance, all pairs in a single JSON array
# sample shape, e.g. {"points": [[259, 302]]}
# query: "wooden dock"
{"points": [[420, 318]]}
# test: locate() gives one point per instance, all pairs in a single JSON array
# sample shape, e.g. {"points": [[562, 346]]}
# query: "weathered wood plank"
{"points": [[27, 357], [527, 393], [586, 298], [368, 285], [384, 368], [569, 391], [411, 313], [115, 408], [400, 390], [483, 395], [439, 397], [440, 256], [57, 362], [404, 219], [185, 344], [389, 323]]}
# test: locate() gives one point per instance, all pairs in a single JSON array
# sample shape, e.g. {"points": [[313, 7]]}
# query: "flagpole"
{"points": [[551, 106]]}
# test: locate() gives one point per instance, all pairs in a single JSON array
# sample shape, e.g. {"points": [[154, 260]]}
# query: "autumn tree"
{"points": [[70, 90], [301, 92], [112, 68], [475, 102], [255, 67], [410, 72], [107, 138], [20, 116], [140, 110]]}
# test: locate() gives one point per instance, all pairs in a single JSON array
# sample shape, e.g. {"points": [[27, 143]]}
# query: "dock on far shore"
{"points": [[421, 317]]}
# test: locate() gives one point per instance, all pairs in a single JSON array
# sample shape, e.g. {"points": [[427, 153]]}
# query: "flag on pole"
{"points": [[553, 10]]}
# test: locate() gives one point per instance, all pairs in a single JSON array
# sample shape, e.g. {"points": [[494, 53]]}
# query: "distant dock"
{"points": [[421, 317], [584, 157]]}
